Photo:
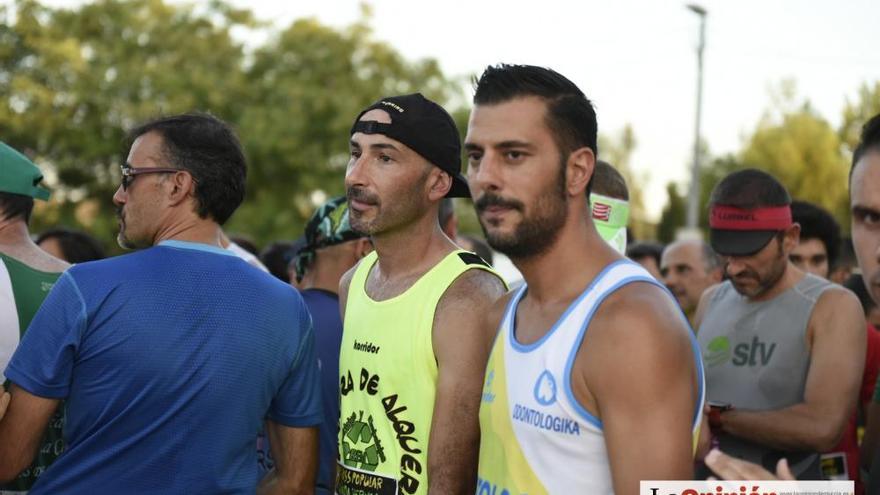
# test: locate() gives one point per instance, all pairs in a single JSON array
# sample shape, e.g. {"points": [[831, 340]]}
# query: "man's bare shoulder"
{"points": [[345, 284], [470, 303], [837, 294], [473, 288], [639, 315], [636, 344], [835, 305]]}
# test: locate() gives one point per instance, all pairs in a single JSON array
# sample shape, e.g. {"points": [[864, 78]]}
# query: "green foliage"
{"points": [[797, 146], [305, 88], [73, 81], [803, 151], [673, 216], [617, 149], [855, 114]]}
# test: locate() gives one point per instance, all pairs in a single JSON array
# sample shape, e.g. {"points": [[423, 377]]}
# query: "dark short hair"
{"points": [[868, 140], [276, 258], [608, 181], [641, 250], [817, 223], [207, 148], [76, 246], [16, 206], [570, 116], [246, 244], [749, 189], [856, 284]]}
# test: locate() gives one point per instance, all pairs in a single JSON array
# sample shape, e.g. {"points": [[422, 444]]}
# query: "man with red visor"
{"points": [[784, 350]]}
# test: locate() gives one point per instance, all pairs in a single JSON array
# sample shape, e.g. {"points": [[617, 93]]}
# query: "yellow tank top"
{"points": [[388, 377]]}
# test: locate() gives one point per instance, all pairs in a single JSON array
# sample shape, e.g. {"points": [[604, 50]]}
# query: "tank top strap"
{"points": [[359, 280], [573, 323]]}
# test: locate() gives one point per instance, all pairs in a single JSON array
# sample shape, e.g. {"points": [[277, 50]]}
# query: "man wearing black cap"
{"points": [[27, 273], [413, 352], [783, 349]]}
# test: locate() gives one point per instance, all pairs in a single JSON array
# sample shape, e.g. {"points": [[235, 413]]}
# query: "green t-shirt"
{"points": [[29, 288]]}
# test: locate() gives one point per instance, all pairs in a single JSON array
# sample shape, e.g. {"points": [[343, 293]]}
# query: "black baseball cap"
{"points": [[426, 128], [739, 243]]}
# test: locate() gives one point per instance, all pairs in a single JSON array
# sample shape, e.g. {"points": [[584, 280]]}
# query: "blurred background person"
{"points": [[845, 264], [72, 246], [243, 248], [276, 257], [647, 254], [609, 205], [331, 249], [688, 268], [816, 253], [27, 274], [784, 349], [856, 284]]}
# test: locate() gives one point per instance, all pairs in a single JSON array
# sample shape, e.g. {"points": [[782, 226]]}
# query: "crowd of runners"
{"points": [[383, 354]]}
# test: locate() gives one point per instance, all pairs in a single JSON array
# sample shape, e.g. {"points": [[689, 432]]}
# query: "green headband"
{"points": [[610, 215]]}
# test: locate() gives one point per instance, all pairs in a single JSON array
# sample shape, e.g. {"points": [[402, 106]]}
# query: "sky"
{"points": [[636, 59]]}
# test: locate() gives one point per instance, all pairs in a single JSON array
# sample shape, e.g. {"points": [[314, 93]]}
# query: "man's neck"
{"points": [[323, 276], [197, 230], [15, 241], [14, 232], [412, 250], [790, 277], [563, 271]]}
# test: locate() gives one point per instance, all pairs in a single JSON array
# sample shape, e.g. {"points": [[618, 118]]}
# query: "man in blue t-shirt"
{"points": [[331, 249], [171, 358]]}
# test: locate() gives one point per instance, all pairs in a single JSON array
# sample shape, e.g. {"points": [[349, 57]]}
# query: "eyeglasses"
{"points": [[129, 173]]}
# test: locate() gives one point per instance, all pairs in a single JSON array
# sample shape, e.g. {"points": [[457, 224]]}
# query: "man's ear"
{"points": [[791, 238], [579, 170], [439, 183], [180, 185]]}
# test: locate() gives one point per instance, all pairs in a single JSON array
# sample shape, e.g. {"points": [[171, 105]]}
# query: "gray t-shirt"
{"points": [[757, 359]]}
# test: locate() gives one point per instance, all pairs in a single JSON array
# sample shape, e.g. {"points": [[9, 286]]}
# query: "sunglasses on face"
{"points": [[129, 173]]}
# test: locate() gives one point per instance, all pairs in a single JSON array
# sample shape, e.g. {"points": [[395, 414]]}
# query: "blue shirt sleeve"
{"points": [[298, 402], [43, 362]]}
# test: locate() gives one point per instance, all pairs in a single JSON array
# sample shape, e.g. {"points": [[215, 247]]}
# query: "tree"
{"points": [[675, 212], [305, 87], [617, 149], [855, 114], [803, 151], [673, 216], [73, 81]]}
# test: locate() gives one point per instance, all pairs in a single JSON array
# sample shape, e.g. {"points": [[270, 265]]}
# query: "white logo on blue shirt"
{"points": [[545, 389]]}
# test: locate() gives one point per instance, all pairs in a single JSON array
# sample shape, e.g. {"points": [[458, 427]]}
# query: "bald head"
{"points": [[688, 268]]}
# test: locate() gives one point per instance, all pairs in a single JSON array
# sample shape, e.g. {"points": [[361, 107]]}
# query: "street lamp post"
{"points": [[694, 195]]}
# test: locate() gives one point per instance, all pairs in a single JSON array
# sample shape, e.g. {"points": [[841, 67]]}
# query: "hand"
{"points": [[731, 468], [4, 401]]}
